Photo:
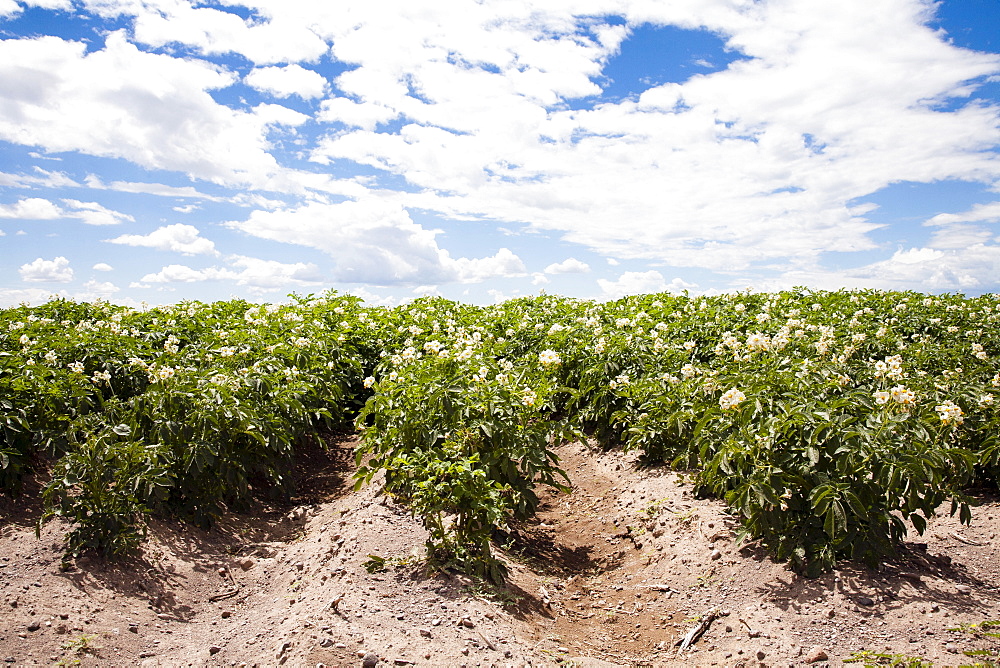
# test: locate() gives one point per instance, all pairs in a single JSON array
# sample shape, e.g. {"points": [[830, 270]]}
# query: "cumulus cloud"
{"points": [[31, 208], [641, 282], [178, 237], [40, 270], [568, 266], [375, 242], [102, 266], [287, 81], [243, 270], [121, 102]]}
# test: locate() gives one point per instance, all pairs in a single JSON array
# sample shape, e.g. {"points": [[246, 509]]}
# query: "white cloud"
{"points": [[375, 242], [249, 271], [568, 266], [641, 282], [505, 264], [97, 290], [93, 213], [65, 5], [989, 212], [286, 33], [790, 140], [102, 266], [9, 8], [178, 237], [287, 81], [35, 208], [163, 190], [56, 270], [121, 102], [32, 208], [42, 178]]}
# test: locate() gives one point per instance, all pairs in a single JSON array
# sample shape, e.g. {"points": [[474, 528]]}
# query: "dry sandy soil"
{"points": [[614, 573]]}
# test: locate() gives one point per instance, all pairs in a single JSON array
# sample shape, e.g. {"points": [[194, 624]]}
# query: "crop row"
{"points": [[830, 422]]}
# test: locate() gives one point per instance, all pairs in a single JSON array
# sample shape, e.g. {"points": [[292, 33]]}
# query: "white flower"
{"points": [[528, 397], [758, 341], [24, 340], [731, 399], [165, 373], [762, 317], [881, 397], [50, 357], [986, 400], [689, 371], [101, 377], [902, 395], [619, 381], [76, 367], [369, 381], [549, 358], [950, 413]]}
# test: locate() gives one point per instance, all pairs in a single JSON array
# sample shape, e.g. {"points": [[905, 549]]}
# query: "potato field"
{"points": [[831, 423]]}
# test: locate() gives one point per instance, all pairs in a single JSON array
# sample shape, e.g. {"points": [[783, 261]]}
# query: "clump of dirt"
{"points": [[618, 572]]}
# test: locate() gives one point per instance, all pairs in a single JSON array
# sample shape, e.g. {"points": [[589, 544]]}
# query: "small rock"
{"points": [[816, 654], [326, 642], [761, 654], [214, 649], [62, 629], [425, 633], [963, 589], [831, 613], [34, 626], [716, 555], [133, 628], [466, 622], [865, 601], [370, 660], [951, 647], [226, 614], [935, 608]]}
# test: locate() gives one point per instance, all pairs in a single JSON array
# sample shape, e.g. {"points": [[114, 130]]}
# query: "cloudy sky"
{"points": [[160, 150]]}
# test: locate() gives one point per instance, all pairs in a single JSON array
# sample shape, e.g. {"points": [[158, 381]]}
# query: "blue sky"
{"points": [[161, 150]]}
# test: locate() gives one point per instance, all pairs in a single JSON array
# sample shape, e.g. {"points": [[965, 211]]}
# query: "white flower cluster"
{"points": [[892, 367], [950, 413], [731, 399], [549, 358]]}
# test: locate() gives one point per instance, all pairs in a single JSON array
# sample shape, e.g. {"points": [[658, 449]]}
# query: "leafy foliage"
{"points": [[831, 422]]}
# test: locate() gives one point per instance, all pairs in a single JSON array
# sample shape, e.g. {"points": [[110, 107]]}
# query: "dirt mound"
{"points": [[615, 573]]}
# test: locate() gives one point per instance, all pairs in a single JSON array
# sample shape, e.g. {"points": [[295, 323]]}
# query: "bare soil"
{"points": [[615, 573]]}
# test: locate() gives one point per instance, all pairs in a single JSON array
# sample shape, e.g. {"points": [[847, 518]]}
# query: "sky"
{"points": [[164, 150]]}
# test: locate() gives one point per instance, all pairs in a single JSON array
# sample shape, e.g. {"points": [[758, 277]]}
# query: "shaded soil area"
{"points": [[617, 572]]}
